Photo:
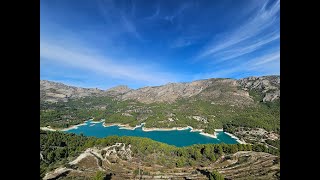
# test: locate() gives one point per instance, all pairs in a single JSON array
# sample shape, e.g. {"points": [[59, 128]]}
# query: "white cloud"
{"points": [[83, 58], [247, 47], [275, 56]]}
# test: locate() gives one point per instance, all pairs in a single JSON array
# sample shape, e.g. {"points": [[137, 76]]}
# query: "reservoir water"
{"points": [[178, 138]]}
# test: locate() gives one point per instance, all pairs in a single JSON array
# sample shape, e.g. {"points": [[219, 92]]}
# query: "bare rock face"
{"points": [[118, 90], [263, 83], [272, 96], [207, 89], [166, 93], [268, 85], [54, 92], [225, 91], [57, 173]]}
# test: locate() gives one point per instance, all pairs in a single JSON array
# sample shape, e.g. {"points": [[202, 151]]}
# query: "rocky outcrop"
{"points": [[226, 90], [166, 93], [200, 119], [263, 83], [268, 85], [57, 173], [93, 159], [118, 90], [271, 96]]}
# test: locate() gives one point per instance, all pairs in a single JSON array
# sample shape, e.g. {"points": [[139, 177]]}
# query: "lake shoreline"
{"points": [[122, 126], [236, 138], [48, 128], [166, 129], [75, 126], [91, 121], [128, 127]]}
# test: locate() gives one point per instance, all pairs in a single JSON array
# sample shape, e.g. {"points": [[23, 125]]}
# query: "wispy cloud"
{"points": [[83, 58], [261, 29], [265, 64], [112, 42], [275, 56]]}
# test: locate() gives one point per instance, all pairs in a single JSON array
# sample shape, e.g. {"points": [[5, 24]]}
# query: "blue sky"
{"points": [[104, 43]]}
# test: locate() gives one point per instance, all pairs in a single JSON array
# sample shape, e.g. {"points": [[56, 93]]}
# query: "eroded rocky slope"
{"points": [[269, 86], [54, 92]]}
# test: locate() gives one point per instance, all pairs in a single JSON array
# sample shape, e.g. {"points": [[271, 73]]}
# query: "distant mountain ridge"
{"points": [[54, 91], [218, 89]]}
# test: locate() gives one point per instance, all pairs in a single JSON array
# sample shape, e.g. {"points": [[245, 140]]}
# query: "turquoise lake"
{"points": [[178, 138]]}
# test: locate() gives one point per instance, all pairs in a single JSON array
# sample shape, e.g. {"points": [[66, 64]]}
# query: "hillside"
{"points": [[252, 102], [67, 156], [210, 104], [55, 92]]}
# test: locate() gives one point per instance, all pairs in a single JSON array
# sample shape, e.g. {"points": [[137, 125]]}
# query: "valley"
{"points": [[248, 108]]}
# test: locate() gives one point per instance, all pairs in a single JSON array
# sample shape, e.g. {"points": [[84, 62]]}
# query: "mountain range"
{"points": [[221, 89]]}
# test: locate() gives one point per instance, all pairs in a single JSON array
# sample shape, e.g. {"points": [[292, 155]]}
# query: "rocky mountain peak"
{"points": [[118, 90], [54, 91]]}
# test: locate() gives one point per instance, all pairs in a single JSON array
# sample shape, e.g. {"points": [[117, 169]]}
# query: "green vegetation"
{"points": [[275, 143], [214, 175], [100, 175], [58, 148], [257, 95], [64, 114]]}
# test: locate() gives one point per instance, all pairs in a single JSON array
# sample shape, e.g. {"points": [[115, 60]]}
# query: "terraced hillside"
{"points": [[134, 158], [241, 165]]}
